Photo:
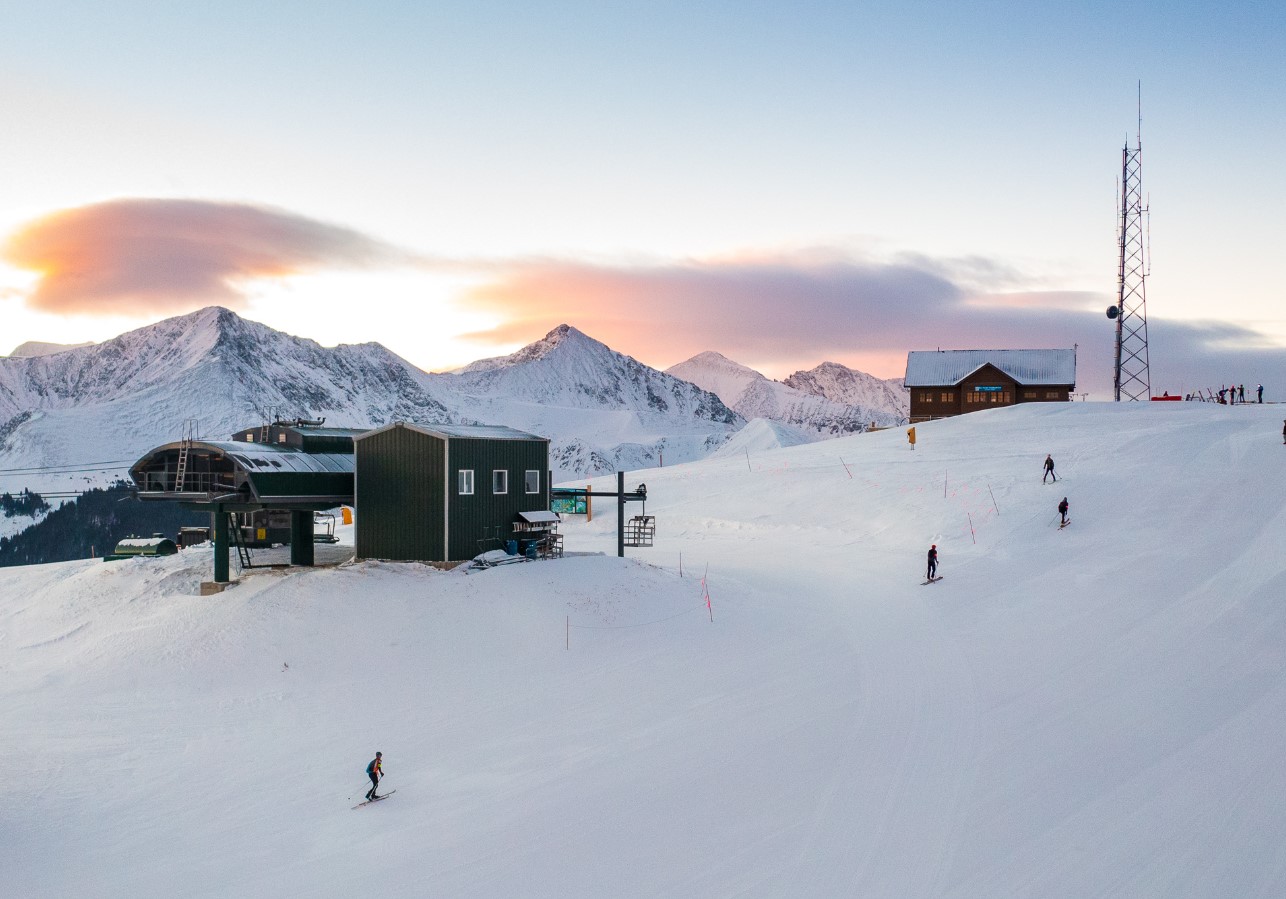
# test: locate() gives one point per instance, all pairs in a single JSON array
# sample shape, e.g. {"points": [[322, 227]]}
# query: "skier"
{"points": [[1049, 470], [1241, 393], [1260, 390], [374, 772], [1062, 510], [933, 561]]}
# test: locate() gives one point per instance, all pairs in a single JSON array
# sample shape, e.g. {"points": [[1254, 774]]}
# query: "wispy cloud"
{"points": [[783, 313], [148, 256]]}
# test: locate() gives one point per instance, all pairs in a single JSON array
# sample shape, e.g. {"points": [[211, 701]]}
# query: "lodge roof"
{"points": [[940, 368], [448, 431]]}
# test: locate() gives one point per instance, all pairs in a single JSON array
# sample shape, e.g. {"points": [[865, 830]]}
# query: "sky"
{"points": [[783, 183]]}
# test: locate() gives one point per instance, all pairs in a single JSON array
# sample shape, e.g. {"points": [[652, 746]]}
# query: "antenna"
{"points": [[1132, 375]]}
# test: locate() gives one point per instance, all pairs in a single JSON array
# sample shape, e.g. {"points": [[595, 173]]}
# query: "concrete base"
{"points": [[209, 588]]}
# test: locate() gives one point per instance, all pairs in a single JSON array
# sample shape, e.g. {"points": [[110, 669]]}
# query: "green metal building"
{"points": [[443, 493]]}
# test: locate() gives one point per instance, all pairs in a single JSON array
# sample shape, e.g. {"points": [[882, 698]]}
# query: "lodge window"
{"points": [[281, 438], [499, 481], [926, 397], [1053, 395], [1030, 394], [465, 481], [250, 437], [948, 397], [531, 481]]}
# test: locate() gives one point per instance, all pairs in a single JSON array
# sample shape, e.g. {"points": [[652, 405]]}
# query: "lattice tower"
{"points": [[1132, 379]]}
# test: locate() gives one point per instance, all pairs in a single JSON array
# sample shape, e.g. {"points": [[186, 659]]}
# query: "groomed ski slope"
{"points": [[1098, 711]]}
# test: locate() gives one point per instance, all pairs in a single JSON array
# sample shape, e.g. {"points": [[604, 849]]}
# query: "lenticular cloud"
{"points": [[144, 256]]}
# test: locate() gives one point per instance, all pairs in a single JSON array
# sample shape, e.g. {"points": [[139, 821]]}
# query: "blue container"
{"points": [[511, 547]]}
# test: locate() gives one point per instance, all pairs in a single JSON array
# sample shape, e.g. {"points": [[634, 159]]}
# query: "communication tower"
{"points": [[1132, 380]]}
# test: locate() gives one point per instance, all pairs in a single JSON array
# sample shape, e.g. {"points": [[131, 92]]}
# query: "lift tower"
{"points": [[1132, 380]]}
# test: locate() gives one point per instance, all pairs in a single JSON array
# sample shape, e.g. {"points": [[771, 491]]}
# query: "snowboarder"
{"points": [[1049, 470], [374, 771], [933, 561], [1062, 510]]}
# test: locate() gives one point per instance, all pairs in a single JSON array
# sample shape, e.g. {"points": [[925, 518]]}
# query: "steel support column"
{"points": [[301, 537]]}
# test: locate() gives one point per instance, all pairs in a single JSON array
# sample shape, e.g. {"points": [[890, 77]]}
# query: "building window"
{"points": [[926, 397], [466, 481], [948, 397], [281, 438], [1030, 394], [1053, 395], [531, 481], [250, 437], [499, 481]]}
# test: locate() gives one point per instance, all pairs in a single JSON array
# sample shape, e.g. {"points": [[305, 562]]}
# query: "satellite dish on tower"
{"points": [[1113, 311]]}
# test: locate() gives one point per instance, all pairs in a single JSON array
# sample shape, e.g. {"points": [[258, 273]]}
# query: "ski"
{"points": [[376, 799], [933, 580], [1064, 524]]}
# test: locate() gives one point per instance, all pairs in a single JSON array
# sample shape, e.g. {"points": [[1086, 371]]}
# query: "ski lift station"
{"points": [[435, 493]]}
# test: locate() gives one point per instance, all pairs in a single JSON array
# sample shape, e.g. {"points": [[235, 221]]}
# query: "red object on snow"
{"points": [[1166, 399]]}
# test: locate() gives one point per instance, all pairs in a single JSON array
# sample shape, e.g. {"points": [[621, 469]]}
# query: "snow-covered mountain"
{"points": [[842, 384], [39, 348], [111, 402], [604, 410], [755, 396]]}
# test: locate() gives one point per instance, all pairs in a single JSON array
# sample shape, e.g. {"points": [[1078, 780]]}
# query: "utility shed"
{"points": [[952, 382], [442, 493]]}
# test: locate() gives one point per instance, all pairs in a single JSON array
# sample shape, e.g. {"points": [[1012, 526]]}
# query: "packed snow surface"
{"points": [[1095, 711]]}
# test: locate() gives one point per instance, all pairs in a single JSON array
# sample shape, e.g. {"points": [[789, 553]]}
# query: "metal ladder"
{"points": [[243, 551], [189, 435]]}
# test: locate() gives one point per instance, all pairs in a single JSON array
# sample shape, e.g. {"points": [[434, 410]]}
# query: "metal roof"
{"points": [[447, 431], [268, 457], [539, 517], [938, 368]]}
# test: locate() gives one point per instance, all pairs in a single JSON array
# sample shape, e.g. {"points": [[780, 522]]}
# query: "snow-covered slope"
{"points": [[755, 396], [1094, 711], [604, 410], [842, 384]]}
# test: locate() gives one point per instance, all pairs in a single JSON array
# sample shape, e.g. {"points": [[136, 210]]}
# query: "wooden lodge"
{"points": [[944, 383]]}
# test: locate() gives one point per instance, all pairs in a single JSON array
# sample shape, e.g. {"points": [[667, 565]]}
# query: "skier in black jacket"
{"points": [[374, 771], [1049, 469], [1062, 510], [933, 561]]}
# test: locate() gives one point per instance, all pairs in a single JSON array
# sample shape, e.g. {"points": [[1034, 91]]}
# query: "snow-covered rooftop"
{"points": [[935, 368]]}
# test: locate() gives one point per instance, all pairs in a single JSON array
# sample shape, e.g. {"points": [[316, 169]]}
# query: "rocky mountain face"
{"points": [[841, 384], [605, 411], [755, 396]]}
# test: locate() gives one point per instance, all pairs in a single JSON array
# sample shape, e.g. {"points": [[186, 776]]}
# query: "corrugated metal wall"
{"points": [[400, 496], [477, 517]]}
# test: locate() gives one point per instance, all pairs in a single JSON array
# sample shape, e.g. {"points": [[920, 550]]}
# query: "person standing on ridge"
{"points": [[1260, 390], [933, 562], [1049, 470], [1062, 510], [374, 771], [1241, 393]]}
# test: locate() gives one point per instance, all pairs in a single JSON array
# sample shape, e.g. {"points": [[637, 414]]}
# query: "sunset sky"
{"points": [[782, 183]]}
